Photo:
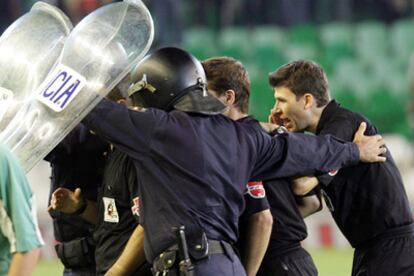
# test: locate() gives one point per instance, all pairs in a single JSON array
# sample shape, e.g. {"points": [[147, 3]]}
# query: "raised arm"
{"points": [[298, 154], [129, 130]]}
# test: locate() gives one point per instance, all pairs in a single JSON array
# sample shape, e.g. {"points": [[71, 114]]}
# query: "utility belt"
{"points": [[168, 262], [180, 260], [67, 227], [77, 253]]}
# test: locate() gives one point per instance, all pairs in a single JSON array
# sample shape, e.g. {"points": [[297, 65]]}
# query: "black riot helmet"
{"points": [[171, 78]]}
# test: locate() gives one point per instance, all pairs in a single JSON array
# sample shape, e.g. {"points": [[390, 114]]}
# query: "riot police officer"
{"points": [[194, 163]]}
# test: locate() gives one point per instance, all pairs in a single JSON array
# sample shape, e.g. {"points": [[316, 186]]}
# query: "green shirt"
{"points": [[19, 231]]}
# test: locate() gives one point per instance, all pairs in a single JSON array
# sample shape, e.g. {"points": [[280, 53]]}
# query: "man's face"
{"points": [[288, 110]]}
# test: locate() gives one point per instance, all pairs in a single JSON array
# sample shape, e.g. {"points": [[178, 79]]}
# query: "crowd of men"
{"points": [[173, 177]]}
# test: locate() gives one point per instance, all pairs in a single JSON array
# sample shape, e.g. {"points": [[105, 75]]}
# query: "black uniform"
{"points": [[256, 201], [254, 194], [369, 204], [118, 210], [192, 170], [78, 161], [284, 253]]}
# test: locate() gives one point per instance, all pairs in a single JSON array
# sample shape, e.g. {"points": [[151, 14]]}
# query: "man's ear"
{"points": [[230, 97], [309, 100]]}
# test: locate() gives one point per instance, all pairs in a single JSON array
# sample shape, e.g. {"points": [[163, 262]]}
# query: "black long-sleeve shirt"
{"points": [[367, 199], [192, 169]]}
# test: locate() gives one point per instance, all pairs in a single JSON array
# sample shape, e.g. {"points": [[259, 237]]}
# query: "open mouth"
{"points": [[286, 123], [275, 119]]}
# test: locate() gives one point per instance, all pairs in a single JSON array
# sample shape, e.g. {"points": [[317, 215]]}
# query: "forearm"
{"points": [[328, 152], [23, 263], [309, 205], [300, 154], [258, 235], [303, 185], [132, 256]]}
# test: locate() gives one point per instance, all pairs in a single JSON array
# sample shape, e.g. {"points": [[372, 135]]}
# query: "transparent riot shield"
{"points": [[97, 55], [28, 50]]}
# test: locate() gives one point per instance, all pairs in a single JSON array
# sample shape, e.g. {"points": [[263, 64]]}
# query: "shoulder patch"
{"points": [[333, 172], [110, 211], [255, 189]]}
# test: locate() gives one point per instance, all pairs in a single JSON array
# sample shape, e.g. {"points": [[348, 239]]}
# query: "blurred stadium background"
{"points": [[365, 47]]}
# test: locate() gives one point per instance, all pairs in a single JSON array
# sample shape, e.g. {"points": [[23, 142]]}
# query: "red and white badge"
{"points": [[135, 207], [333, 172], [255, 189]]}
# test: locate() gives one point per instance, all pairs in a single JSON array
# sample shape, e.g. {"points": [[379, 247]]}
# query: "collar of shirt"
{"points": [[247, 119], [327, 113]]}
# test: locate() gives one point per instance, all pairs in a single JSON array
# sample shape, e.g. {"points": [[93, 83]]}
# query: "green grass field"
{"points": [[48, 268], [330, 262], [333, 262]]}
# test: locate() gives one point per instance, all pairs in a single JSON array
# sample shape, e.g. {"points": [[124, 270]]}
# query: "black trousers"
{"points": [[296, 262], [217, 264], [388, 255]]}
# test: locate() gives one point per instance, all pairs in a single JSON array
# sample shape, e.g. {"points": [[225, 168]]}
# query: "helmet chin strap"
{"points": [[140, 85]]}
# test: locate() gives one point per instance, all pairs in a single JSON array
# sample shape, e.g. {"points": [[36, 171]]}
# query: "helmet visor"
{"points": [[200, 101]]}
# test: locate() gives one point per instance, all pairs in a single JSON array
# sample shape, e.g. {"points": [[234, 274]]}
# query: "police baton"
{"points": [[185, 265]]}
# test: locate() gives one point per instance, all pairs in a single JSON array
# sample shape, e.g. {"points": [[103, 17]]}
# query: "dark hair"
{"points": [[225, 73], [303, 76]]}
